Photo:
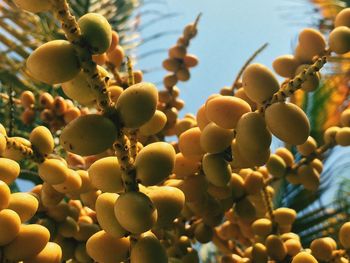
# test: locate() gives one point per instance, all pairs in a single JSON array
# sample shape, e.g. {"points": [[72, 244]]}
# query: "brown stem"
{"points": [[25, 150]]}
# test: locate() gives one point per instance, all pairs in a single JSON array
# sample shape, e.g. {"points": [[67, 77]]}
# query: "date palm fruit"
{"points": [[284, 216], [259, 83], [285, 66], [194, 187], [321, 249], [103, 247], [9, 226], [254, 183], [237, 186], [276, 166], [96, 31], [343, 136], [3, 144], [68, 228], [105, 215], [240, 93], [225, 111], [105, 174], [245, 209], [183, 125], [79, 88], [309, 177], [14, 153], [216, 169], [252, 136], [259, 253], [4, 195], [155, 124], [345, 118], [49, 196], [81, 255], [190, 61], [312, 81], [185, 166], [201, 117], [169, 202], [304, 257], [114, 92], [52, 253], [215, 139], [34, 6], [135, 212], [189, 143], [307, 147], [53, 171], [287, 122], [54, 62], [148, 249], [71, 184], [137, 104], [42, 140], [339, 40], [154, 163], [275, 248], [116, 56], [262, 227], [203, 233], [24, 204], [293, 246], [88, 135], [344, 235], [27, 98], [343, 18], [312, 41], [30, 240], [286, 155]]}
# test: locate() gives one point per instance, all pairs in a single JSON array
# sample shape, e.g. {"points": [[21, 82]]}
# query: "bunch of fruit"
{"points": [[118, 192]]}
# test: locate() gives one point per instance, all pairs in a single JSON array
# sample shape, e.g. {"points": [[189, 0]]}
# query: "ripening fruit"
{"points": [[254, 183], [79, 88], [30, 240], [276, 166], [105, 174], [321, 249], [102, 247], [88, 135], [190, 61], [9, 226], [24, 204], [312, 81], [155, 124], [177, 51], [194, 187], [4, 195], [343, 136], [285, 66], [275, 248], [339, 40], [293, 246], [52, 253], [185, 166], [252, 136], [344, 235], [312, 42], [154, 163], [169, 202], [201, 117], [304, 257], [9, 170], [259, 83], [225, 111], [34, 6], [216, 169], [105, 215], [96, 31], [307, 147], [3, 144], [203, 233], [189, 143], [49, 196], [259, 253], [262, 227], [16, 154], [284, 216], [343, 18], [135, 212], [137, 104], [309, 177], [215, 139], [287, 122], [53, 171], [245, 209], [54, 62], [345, 118], [72, 183], [42, 140], [148, 249], [27, 98]]}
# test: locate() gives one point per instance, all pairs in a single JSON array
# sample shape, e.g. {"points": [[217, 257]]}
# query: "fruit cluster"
{"points": [[120, 193]]}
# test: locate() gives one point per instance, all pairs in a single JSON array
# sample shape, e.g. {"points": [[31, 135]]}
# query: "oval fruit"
{"points": [[88, 135], [53, 171], [215, 139], [137, 104], [96, 31], [154, 163], [105, 174], [216, 169], [34, 6], [312, 42], [339, 40], [155, 124], [4, 195], [52, 253], [24, 204], [71, 184], [42, 140], [285, 66], [287, 122], [135, 212], [259, 82], [54, 62], [189, 143], [343, 18], [304, 257], [30, 240], [9, 226], [344, 235]]}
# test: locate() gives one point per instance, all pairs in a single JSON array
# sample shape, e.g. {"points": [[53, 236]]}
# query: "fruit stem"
{"points": [[268, 203], [294, 84], [246, 64], [25, 150], [131, 80], [122, 151], [89, 68]]}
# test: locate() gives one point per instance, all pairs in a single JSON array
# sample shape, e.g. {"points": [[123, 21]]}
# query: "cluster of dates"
{"points": [[121, 194]]}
